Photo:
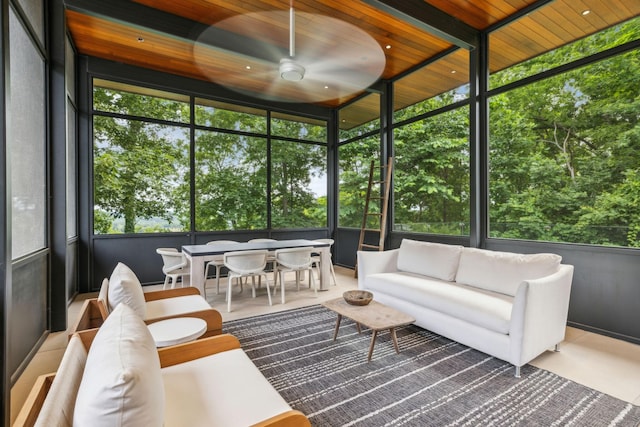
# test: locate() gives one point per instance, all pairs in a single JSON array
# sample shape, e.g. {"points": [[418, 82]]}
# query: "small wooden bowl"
{"points": [[358, 297]]}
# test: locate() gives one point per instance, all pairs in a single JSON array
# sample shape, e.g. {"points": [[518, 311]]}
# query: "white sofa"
{"points": [[114, 376], [510, 306]]}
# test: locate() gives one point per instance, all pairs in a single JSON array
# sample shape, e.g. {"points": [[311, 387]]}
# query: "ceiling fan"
{"points": [[319, 59]]}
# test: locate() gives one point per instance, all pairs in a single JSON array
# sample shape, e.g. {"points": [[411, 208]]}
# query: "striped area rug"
{"points": [[432, 382]]}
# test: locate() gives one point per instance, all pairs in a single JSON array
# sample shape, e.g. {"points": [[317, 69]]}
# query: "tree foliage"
{"points": [[143, 177]]}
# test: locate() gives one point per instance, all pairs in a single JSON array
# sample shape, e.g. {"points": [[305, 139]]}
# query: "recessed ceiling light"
{"points": [[453, 71], [388, 46], [586, 12], [140, 39], [326, 87], [248, 67]]}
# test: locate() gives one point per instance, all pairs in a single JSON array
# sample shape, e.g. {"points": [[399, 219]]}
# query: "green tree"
{"points": [[431, 182], [137, 164], [564, 151]]}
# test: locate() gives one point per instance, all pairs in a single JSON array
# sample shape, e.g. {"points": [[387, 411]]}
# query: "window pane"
{"points": [[354, 163], [228, 116], [431, 179], [436, 85], [298, 127], [231, 182], [360, 117], [138, 101], [140, 170], [564, 156], [27, 143], [298, 185], [514, 55]]}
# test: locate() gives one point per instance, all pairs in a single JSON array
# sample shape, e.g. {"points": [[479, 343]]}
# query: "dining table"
{"points": [[199, 255]]}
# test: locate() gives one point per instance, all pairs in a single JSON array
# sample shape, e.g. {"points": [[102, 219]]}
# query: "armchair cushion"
{"points": [[125, 287], [122, 382]]}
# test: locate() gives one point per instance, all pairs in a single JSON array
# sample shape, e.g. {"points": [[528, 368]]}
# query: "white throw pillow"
{"points": [[435, 260], [125, 287], [503, 271], [122, 383]]}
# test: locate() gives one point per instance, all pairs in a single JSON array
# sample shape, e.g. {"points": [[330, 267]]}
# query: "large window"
{"points": [[431, 144], [360, 133], [142, 164], [565, 151], [431, 180], [231, 182]]}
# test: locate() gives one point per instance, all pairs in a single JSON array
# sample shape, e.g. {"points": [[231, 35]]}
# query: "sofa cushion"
{"points": [[430, 259], [122, 383], [125, 287], [503, 271], [57, 409], [224, 389], [487, 309], [165, 307]]}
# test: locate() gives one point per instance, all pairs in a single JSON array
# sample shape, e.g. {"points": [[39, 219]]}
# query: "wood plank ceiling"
{"points": [[160, 35]]}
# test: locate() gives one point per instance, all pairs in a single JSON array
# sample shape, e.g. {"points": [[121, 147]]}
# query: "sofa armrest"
{"points": [[370, 262], [33, 404], [170, 293], [290, 418], [539, 315], [211, 316], [181, 353], [92, 315]]}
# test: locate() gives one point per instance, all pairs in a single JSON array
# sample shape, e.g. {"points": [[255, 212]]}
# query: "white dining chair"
{"points": [[217, 263], [246, 264], [271, 258], [293, 260], [175, 265], [316, 259]]}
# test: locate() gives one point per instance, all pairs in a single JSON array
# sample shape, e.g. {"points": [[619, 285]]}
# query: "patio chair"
{"points": [[217, 263], [315, 261], [293, 260], [175, 265], [246, 264]]}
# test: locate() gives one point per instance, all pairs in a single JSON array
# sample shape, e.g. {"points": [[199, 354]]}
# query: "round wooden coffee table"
{"points": [[177, 330]]}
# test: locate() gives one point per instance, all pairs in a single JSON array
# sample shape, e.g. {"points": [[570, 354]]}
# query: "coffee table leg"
{"points": [[374, 334], [358, 327], [335, 333], [392, 331]]}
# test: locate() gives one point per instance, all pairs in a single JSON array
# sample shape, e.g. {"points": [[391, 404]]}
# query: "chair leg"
{"points": [[315, 284], [282, 286], [333, 274], [266, 283], [275, 282], [229, 293], [218, 268], [166, 282]]}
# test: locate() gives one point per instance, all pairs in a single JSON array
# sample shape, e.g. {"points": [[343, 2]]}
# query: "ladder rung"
{"points": [[375, 198], [372, 229], [374, 213], [370, 246]]}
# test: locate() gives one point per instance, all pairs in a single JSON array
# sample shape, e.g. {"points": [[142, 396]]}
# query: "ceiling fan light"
{"points": [[291, 70]]}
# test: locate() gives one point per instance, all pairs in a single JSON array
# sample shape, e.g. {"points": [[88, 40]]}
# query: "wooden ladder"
{"points": [[381, 196]]}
